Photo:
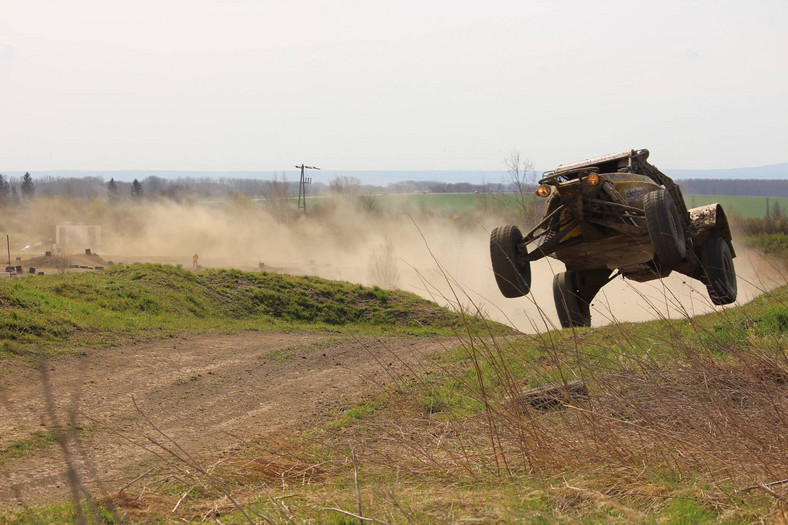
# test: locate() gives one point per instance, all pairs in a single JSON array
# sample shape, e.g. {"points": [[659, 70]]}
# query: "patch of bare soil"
{"points": [[208, 392], [48, 264]]}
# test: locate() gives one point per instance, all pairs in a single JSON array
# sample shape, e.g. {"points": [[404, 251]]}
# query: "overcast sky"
{"points": [[389, 85]]}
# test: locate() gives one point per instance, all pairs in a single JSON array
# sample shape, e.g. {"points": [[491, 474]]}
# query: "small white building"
{"points": [[78, 237]]}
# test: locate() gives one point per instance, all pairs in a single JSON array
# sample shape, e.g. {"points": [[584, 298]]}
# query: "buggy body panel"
{"points": [[710, 221], [602, 226]]}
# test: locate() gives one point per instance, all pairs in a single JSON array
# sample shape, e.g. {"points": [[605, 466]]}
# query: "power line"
{"points": [[302, 186]]}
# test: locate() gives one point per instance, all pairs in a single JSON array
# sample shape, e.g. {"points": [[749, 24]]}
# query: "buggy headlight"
{"points": [[543, 190], [593, 179]]}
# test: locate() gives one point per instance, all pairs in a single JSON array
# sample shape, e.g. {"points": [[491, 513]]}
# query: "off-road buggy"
{"points": [[614, 215]]}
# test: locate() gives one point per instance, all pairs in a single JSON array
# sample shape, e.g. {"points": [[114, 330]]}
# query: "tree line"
{"points": [[184, 189], [14, 190]]}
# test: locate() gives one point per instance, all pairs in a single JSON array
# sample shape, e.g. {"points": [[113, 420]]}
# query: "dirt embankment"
{"points": [[208, 392], [52, 264]]}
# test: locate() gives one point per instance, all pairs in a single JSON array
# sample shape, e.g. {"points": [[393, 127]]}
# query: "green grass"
{"points": [[61, 513], [746, 206], [282, 354], [465, 203], [774, 244], [142, 301], [23, 447], [459, 203], [743, 205], [443, 204], [468, 203], [687, 511], [355, 413], [431, 202]]}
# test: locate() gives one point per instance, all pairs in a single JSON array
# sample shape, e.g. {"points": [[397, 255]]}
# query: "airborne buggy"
{"points": [[614, 213]]}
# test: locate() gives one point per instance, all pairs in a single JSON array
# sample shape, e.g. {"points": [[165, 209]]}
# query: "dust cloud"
{"points": [[438, 256]]}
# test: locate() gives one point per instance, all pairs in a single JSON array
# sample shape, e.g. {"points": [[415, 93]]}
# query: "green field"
{"points": [[431, 202], [458, 203], [418, 202], [745, 206]]}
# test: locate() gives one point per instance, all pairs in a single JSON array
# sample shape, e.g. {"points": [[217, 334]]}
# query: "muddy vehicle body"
{"points": [[609, 216]]}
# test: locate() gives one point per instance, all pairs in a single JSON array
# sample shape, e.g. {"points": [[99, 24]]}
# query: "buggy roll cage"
{"points": [[555, 226]]}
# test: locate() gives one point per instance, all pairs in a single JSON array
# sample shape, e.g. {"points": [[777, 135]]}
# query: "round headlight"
{"points": [[543, 190], [593, 179]]}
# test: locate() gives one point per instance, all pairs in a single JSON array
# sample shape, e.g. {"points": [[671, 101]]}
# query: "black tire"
{"points": [[514, 280], [720, 275], [665, 228], [572, 309]]}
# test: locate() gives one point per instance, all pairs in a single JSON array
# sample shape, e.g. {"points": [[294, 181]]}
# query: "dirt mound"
{"points": [[49, 264], [50, 261]]}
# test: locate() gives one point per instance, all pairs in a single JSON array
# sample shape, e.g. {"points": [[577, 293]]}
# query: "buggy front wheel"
{"points": [[513, 277]]}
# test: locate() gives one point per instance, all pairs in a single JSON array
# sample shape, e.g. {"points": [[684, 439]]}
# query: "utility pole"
{"points": [[302, 186]]}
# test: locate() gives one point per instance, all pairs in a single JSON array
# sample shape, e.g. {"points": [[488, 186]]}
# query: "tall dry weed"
{"points": [[685, 399]]}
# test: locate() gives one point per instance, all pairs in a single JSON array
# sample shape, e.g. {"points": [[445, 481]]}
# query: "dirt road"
{"points": [[208, 392]]}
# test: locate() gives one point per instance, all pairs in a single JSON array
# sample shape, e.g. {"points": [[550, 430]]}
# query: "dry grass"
{"points": [[670, 413], [684, 417]]}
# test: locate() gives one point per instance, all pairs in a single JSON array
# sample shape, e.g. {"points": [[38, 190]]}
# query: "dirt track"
{"points": [[208, 392]]}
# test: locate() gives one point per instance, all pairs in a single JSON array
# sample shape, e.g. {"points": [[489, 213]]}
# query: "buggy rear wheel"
{"points": [[513, 278], [572, 310], [720, 275], [664, 227]]}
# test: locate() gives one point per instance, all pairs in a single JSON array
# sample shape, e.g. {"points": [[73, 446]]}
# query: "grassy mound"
{"points": [[142, 300]]}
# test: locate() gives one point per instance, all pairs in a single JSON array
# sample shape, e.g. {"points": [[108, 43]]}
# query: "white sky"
{"points": [[387, 85]]}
